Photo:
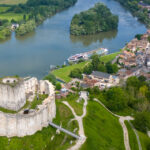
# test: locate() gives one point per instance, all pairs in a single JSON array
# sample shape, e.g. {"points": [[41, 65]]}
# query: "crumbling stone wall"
{"points": [[12, 98], [27, 124]]}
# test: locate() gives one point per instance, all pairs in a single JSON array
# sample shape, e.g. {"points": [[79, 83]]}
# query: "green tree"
{"points": [[142, 78], [116, 99], [58, 86], [87, 69], [111, 68], [95, 61], [142, 121], [148, 39], [138, 36], [101, 67], [143, 90], [51, 78], [76, 73]]}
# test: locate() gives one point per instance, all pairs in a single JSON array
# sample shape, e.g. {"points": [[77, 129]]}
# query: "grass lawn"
{"points": [[3, 9], [102, 129], [109, 57], [145, 140], [63, 73], [132, 137], [78, 106], [12, 2], [10, 16], [36, 102], [42, 139]]}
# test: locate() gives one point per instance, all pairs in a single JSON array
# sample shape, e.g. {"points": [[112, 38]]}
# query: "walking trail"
{"points": [[121, 120], [80, 121], [81, 128]]}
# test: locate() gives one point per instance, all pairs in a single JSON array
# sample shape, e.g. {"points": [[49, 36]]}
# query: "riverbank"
{"points": [[52, 44], [30, 14], [63, 73], [137, 10]]}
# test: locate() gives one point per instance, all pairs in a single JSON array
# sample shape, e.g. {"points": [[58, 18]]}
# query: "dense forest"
{"points": [[33, 13], [142, 14], [95, 20]]}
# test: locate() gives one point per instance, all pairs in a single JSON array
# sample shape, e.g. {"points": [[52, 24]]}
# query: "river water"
{"points": [[51, 43]]}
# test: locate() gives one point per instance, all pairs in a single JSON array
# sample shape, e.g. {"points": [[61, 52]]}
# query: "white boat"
{"points": [[86, 55]]}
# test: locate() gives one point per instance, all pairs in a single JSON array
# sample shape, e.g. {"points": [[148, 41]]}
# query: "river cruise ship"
{"points": [[86, 55]]}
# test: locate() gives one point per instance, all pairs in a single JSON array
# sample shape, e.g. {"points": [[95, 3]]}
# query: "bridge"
{"points": [[64, 130]]}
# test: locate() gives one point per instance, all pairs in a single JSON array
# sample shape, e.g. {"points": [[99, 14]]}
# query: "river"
{"points": [[51, 43]]}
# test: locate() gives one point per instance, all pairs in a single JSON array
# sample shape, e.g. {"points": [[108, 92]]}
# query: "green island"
{"points": [[141, 13], [27, 14], [95, 20]]}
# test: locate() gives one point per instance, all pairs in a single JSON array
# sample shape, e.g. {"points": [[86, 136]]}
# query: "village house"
{"points": [[125, 73], [104, 77], [148, 61], [136, 44], [144, 6]]}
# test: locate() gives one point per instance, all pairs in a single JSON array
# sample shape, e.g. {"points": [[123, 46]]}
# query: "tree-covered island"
{"points": [[95, 20]]}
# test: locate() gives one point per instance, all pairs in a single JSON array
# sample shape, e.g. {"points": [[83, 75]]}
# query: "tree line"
{"points": [[95, 65], [133, 6]]}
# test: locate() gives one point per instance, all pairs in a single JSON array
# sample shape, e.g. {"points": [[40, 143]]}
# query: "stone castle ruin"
{"points": [[15, 94]]}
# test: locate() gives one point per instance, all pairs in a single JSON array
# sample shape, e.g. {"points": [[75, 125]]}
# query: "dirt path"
{"points": [[121, 120], [80, 121]]}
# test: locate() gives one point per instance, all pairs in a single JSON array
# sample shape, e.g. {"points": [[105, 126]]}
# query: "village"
{"points": [[145, 6], [133, 60]]}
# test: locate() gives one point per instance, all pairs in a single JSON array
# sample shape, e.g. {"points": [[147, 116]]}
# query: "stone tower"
{"points": [[12, 93]]}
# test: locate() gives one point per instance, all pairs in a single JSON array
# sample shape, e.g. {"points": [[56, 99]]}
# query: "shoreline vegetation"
{"points": [[95, 20], [141, 13], [28, 15], [64, 72]]}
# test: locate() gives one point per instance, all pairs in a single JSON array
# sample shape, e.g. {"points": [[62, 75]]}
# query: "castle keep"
{"points": [[17, 95]]}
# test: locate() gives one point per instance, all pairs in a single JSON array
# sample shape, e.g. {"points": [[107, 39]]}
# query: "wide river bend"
{"points": [[51, 43]]}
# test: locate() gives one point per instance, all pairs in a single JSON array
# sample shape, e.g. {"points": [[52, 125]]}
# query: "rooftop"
{"points": [[100, 74]]}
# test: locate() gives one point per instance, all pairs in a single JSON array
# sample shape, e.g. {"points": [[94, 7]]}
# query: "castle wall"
{"points": [[27, 124], [12, 98]]}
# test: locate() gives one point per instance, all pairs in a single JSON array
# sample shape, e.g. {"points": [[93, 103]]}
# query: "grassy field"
{"points": [[12, 2], [63, 73], [3, 9], [42, 139], [10, 16], [109, 57], [102, 129], [132, 137], [77, 106], [145, 140]]}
